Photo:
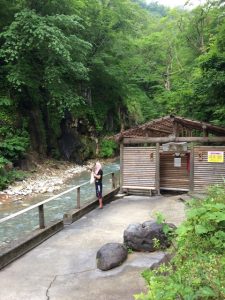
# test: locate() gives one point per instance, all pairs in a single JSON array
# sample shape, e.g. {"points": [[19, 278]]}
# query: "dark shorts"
{"points": [[98, 187]]}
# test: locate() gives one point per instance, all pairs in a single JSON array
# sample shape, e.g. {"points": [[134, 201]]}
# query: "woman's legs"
{"points": [[100, 203], [99, 194]]}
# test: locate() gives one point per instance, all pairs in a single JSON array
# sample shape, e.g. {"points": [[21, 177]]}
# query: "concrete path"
{"points": [[64, 266]]}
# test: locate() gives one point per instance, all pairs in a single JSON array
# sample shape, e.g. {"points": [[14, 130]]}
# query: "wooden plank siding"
{"points": [[139, 166], [206, 173], [176, 178], [140, 169]]}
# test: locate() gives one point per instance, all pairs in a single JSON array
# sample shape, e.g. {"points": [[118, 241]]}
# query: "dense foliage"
{"points": [[96, 67], [108, 148], [198, 269]]}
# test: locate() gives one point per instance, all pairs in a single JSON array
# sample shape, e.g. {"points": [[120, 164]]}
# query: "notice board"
{"points": [[215, 156]]}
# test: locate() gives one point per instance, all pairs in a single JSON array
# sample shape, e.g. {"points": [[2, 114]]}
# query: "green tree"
{"points": [[45, 60]]}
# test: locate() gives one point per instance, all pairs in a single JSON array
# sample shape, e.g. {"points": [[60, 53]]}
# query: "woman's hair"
{"points": [[98, 167]]}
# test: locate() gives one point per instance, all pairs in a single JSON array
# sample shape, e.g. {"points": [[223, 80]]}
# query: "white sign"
{"points": [[177, 162]]}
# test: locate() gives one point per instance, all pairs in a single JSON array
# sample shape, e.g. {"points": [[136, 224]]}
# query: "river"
{"points": [[19, 226]]}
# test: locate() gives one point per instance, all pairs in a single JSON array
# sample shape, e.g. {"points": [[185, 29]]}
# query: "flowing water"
{"points": [[54, 210]]}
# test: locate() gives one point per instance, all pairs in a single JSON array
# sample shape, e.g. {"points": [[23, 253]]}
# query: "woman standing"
{"points": [[98, 173]]}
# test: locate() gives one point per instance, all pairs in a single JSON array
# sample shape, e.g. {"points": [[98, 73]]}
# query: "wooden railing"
{"points": [[41, 204]]}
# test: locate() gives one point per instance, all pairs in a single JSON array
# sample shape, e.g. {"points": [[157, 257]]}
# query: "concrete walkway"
{"points": [[64, 266]]}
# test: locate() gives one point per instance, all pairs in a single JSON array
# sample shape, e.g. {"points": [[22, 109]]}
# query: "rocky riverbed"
{"points": [[47, 177]]}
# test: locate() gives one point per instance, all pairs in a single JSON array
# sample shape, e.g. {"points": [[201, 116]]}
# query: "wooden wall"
{"points": [[171, 177], [206, 173], [139, 169], [139, 166]]}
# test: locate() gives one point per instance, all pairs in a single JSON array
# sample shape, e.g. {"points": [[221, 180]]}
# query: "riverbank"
{"points": [[48, 177]]}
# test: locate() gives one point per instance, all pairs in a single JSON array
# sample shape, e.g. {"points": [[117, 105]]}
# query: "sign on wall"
{"points": [[216, 156], [177, 162]]}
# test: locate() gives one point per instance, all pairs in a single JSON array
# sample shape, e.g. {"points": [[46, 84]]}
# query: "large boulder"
{"points": [[111, 255], [148, 236]]}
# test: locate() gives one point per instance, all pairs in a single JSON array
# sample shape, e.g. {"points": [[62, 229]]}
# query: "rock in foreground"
{"points": [[148, 236], [111, 255]]}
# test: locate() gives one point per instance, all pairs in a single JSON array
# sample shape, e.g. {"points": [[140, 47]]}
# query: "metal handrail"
{"points": [[41, 204]]}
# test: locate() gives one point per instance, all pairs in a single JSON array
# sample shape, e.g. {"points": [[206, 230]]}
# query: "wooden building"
{"points": [[172, 153]]}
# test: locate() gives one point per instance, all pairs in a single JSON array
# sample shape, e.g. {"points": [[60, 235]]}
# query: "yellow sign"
{"points": [[216, 156]]}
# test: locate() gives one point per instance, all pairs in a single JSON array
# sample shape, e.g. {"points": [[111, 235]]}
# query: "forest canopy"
{"points": [[92, 68]]}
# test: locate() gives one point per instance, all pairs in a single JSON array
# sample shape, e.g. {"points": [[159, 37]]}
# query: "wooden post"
{"points": [[157, 173], [121, 166], [191, 185], [78, 198], [41, 216], [113, 181]]}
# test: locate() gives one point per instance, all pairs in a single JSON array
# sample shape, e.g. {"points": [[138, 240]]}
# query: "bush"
{"points": [[198, 269], [14, 137], [107, 148], [14, 142], [14, 146], [8, 177], [3, 162]]}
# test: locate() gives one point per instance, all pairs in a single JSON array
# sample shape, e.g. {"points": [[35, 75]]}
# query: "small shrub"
{"points": [[3, 162], [14, 146], [107, 148], [129, 250], [8, 177]]}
